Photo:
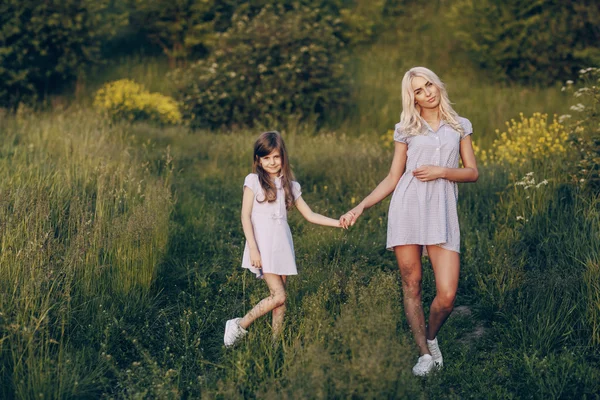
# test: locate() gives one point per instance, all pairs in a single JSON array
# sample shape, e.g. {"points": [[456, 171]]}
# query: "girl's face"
{"points": [[271, 163], [427, 95]]}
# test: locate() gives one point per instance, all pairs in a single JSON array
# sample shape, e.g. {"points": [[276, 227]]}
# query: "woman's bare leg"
{"points": [[409, 263], [277, 298], [278, 314], [446, 268]]}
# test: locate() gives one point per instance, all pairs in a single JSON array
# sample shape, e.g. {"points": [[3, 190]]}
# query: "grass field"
{"points": [[121, 247]]}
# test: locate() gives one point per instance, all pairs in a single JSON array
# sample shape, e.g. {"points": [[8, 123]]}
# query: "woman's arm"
{"points": [[313, 217], [468, 173], [385, 187], [247, 203]]}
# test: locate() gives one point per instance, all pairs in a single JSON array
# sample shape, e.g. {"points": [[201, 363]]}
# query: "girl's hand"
{"points": [[346, 220], [428, 173], [351, 216], [255, 259]]}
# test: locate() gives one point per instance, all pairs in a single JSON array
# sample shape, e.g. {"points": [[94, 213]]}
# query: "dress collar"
{"points": [[429, 128]]}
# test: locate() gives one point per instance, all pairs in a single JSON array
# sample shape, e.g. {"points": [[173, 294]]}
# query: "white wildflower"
{"points": [[563, 118]]}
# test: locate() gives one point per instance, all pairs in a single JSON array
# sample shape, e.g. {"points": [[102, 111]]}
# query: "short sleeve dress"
{"points": [[271, 230], [425, 212]]}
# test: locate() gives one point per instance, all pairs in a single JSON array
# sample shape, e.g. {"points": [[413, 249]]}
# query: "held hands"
{"points": [[255, 259], [351, 216], [427, 173]]}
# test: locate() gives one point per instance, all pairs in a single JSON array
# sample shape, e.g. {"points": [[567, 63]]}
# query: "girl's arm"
{"points": [[468, 173], [247, 202], [385, 187], [313, 217]]}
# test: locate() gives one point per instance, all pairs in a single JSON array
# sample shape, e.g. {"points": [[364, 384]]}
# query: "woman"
{"points": [[424, 173]]}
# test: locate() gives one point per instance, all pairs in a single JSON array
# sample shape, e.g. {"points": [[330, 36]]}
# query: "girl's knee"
{"points": [[279, 310], [279, 298]]}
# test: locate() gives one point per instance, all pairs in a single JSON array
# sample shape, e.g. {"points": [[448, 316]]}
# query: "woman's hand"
{"points": [[255, 259], [428, 173], [346, 220], [351, 216]]}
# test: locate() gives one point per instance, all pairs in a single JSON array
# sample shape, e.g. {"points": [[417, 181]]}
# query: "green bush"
{"points": [[535, 42], [45, 44], [265, 68], [185, 29], [584, 124], [178, 27], [357, 21]]}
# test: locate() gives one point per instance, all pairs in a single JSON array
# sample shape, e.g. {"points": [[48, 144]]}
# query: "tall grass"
{"points": [[521, 278], [121, 246], [81, 263], [84, 225]]}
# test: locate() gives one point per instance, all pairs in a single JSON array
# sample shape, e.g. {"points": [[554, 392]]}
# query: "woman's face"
{"points": [[427, 95]]}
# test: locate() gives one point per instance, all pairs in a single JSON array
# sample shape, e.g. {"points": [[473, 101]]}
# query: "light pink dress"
{"points": [[426, 212], [271, 230]]}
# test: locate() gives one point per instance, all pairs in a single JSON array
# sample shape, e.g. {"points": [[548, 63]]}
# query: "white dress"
{"points": [[271, 230], [425, 212]]}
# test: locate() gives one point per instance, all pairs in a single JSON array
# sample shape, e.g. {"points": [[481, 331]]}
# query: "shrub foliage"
{"points": [[532, 42], [178, 27], [533, 138], [125, 99], [264, 68], [45, 44]]}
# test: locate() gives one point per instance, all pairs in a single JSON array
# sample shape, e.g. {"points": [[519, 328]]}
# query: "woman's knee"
{"points": [[411, 287], [446, 299]]}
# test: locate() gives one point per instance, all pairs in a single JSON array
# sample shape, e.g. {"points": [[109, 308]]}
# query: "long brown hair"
{"points": [[265, 144]]}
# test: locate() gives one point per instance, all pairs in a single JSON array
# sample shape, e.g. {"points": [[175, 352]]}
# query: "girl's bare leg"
{"points": [[446, 268], [276, 285], [409, 263], [278, 314]]}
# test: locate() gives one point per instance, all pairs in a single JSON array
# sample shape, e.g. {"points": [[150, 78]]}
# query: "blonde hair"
{"points": [[411, 122]]}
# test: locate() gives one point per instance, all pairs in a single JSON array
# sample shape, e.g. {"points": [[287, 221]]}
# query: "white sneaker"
{"points": [[424, 365], [436, 353], [233, 332]]}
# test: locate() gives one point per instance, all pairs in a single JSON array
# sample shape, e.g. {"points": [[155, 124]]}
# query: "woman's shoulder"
{"points": [[465, 123], [400, 134]]}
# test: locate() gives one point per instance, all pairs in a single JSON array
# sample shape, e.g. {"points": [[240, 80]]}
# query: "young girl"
{"points": [[269, 193], [429, 140]]}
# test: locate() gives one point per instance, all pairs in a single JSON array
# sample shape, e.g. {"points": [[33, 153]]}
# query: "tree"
{"points": [[536, 41], [46, 44], [177, 26]]}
